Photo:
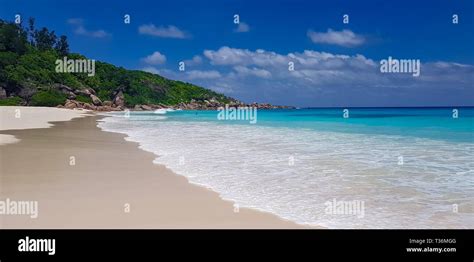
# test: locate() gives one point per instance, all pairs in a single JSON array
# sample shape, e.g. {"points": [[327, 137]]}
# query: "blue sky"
{"points": [[336, 64]]}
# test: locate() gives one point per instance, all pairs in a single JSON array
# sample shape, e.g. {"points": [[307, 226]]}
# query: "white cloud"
{"points": [[244, 71], [80, 29], [198, 74], [327, 79], [233, 56], [169, 31], [228, 56], [262, 58], [155, 59], [196, 60], [345, 38], [242, 27]]}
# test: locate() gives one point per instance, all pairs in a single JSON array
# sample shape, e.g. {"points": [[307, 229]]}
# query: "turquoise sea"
{"points": [[411, 167]]}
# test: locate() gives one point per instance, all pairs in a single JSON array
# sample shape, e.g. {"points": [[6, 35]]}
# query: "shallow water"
{"points": [[411, 168]]}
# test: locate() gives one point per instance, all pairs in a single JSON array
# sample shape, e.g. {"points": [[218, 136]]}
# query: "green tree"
{"points": [[12, 38], [27, 72], [31, 31], [62, 46], [45, 39]]}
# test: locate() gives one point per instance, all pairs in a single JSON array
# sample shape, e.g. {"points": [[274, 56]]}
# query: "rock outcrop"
{"points": [[119, 99], [85, 91], [66, 90], [72, 104], [118, 102], [146, 108], [213, 104], [95, 100]]}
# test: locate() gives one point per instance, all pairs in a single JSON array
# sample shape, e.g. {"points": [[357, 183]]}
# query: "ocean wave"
{"points": [[163, 111], [404, 182]]}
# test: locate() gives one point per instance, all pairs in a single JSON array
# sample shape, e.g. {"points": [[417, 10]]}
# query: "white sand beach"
{"points": [[17, 117], [110, 184]]}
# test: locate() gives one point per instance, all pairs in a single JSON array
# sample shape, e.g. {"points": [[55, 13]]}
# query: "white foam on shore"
{"points": [[163, 111], [251, 166]]}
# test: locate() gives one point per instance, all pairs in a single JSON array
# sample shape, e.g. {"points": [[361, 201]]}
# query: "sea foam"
{"points": [[294, 172]]}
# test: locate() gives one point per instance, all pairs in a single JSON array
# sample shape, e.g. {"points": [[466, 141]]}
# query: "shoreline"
{"points": [[110, 176], [22, 117]]}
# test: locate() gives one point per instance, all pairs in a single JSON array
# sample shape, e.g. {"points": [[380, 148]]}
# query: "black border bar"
{"points": [[380, 245]]}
